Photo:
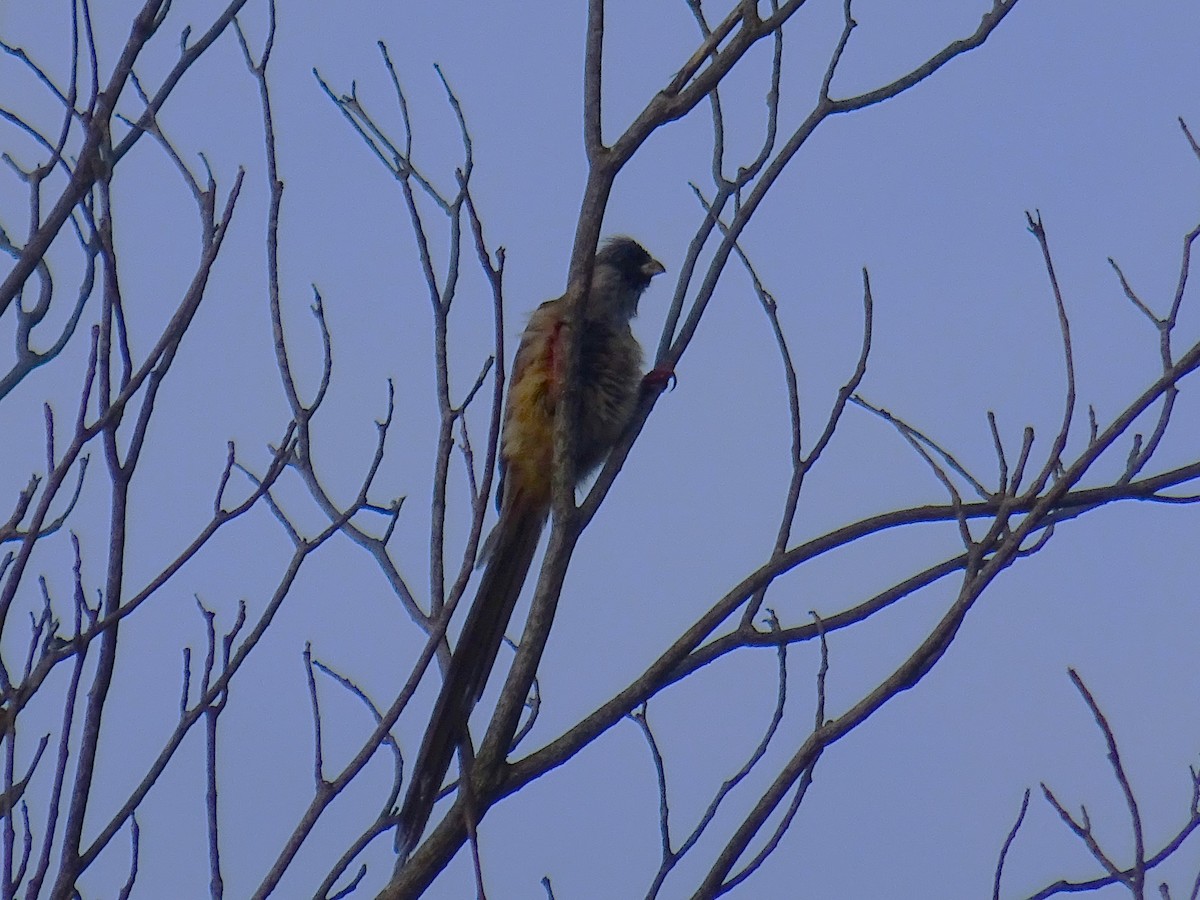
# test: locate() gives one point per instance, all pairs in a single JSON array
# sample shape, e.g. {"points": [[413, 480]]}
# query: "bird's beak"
{"points": [[652, 268]]}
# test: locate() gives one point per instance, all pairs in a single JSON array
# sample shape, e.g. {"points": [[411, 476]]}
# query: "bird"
{"points": [[610, 379]]}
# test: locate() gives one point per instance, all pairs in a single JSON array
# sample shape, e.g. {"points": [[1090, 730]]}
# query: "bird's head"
{"points": [[623, 271]]}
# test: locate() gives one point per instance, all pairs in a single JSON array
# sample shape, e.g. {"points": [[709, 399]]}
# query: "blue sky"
{"points": [[1070, 108]]}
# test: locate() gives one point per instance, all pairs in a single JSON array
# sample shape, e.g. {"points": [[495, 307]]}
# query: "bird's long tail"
{"points": [[512, 547]]}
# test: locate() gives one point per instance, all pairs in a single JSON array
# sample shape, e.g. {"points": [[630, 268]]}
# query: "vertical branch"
{"points": [[640, 716], [274, 204], [315, 704], [216, 883], [135, 836], [119, 477], [82, 611], [495, 276], [1137, 874], [593, 66], [448, 413], [1054, 458], [7, 805], [1008, 840]]}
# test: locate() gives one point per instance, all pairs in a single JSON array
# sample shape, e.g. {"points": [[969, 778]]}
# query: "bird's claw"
{"points": [[659, 378]]}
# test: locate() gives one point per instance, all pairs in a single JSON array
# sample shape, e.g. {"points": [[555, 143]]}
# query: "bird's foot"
{"points": [[660, 378]]}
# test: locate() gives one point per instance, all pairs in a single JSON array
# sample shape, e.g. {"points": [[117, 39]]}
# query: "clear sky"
{"points": [[1070, 108]]}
